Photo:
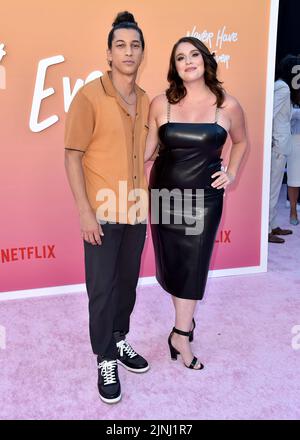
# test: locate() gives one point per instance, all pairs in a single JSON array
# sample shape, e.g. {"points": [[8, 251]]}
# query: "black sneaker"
{"points": [[131, 360], [108, 381]]}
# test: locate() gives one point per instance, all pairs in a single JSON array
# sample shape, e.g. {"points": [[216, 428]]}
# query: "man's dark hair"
{"points": [[124, 20]]}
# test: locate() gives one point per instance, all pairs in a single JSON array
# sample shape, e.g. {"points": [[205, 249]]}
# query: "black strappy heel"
{"points": [[174, 353], [191, 337]]}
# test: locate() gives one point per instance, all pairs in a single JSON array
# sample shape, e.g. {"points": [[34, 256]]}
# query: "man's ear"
{"points": [[109, 56]]}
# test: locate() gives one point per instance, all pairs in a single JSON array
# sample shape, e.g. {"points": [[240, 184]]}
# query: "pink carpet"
{"points": [[243, 337]]}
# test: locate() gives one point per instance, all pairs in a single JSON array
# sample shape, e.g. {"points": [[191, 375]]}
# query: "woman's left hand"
{"points": [[224, 178]]}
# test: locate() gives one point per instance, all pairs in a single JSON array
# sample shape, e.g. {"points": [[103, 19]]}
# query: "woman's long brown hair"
{"points": [[176, 91]]}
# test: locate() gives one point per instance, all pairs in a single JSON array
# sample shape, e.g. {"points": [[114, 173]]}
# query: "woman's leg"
{"points": [[293, 193], [184, 312], [174, 298]]}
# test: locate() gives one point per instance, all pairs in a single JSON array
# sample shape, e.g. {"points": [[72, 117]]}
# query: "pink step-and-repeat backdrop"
{"points": [[48, 50]]}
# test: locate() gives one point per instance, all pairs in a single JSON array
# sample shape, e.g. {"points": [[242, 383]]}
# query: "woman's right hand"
{"points": [[91, 230]]}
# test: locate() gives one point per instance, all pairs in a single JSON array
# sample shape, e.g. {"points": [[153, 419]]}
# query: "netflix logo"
{"points": [[44, 252]]}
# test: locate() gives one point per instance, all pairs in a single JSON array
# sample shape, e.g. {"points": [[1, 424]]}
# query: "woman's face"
{"points": [[126, 53], [189, 62]]}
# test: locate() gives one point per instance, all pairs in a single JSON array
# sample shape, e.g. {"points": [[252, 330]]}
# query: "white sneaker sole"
{"points": [[116, 400], [133, 370]]}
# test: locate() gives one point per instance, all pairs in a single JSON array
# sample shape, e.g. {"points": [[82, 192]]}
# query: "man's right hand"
{"points": [[91, 230]]}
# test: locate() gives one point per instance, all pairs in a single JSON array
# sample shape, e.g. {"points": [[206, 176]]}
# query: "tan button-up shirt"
{"points": [[99, 125]]}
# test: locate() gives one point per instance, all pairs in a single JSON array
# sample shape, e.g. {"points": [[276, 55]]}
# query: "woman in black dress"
{"points": [[190, 125]]}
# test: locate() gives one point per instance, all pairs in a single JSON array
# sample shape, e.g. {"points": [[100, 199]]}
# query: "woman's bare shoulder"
{"points": [[159, 100], [158, 105], [231, 103]]}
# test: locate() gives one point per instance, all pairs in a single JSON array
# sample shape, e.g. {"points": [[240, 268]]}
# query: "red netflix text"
{"points": [[223, 236], [10, 255]]}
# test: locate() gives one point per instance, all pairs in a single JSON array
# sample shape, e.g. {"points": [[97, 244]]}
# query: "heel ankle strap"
{"points": [[180, 332]]}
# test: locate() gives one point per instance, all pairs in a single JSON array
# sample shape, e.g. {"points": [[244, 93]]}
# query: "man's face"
{"points": [[126, 53]]}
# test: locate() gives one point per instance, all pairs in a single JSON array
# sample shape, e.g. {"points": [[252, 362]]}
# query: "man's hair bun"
{"points": [[124, 17], [124, 20]]}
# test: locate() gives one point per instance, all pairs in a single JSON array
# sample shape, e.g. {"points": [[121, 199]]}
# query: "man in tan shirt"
{"points": [[105, 135]]}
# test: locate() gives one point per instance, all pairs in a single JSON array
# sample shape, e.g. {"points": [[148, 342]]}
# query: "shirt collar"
{"points": [[111, 91]]}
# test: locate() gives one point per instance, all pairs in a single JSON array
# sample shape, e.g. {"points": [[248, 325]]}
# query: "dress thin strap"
{"points": [[168, 111], [217, 115]]}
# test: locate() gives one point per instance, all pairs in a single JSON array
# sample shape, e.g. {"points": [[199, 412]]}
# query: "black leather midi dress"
{"points": [[184, 225]]}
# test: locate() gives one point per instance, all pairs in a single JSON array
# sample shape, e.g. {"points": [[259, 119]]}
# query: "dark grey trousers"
{"points": [[112, 271]]}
